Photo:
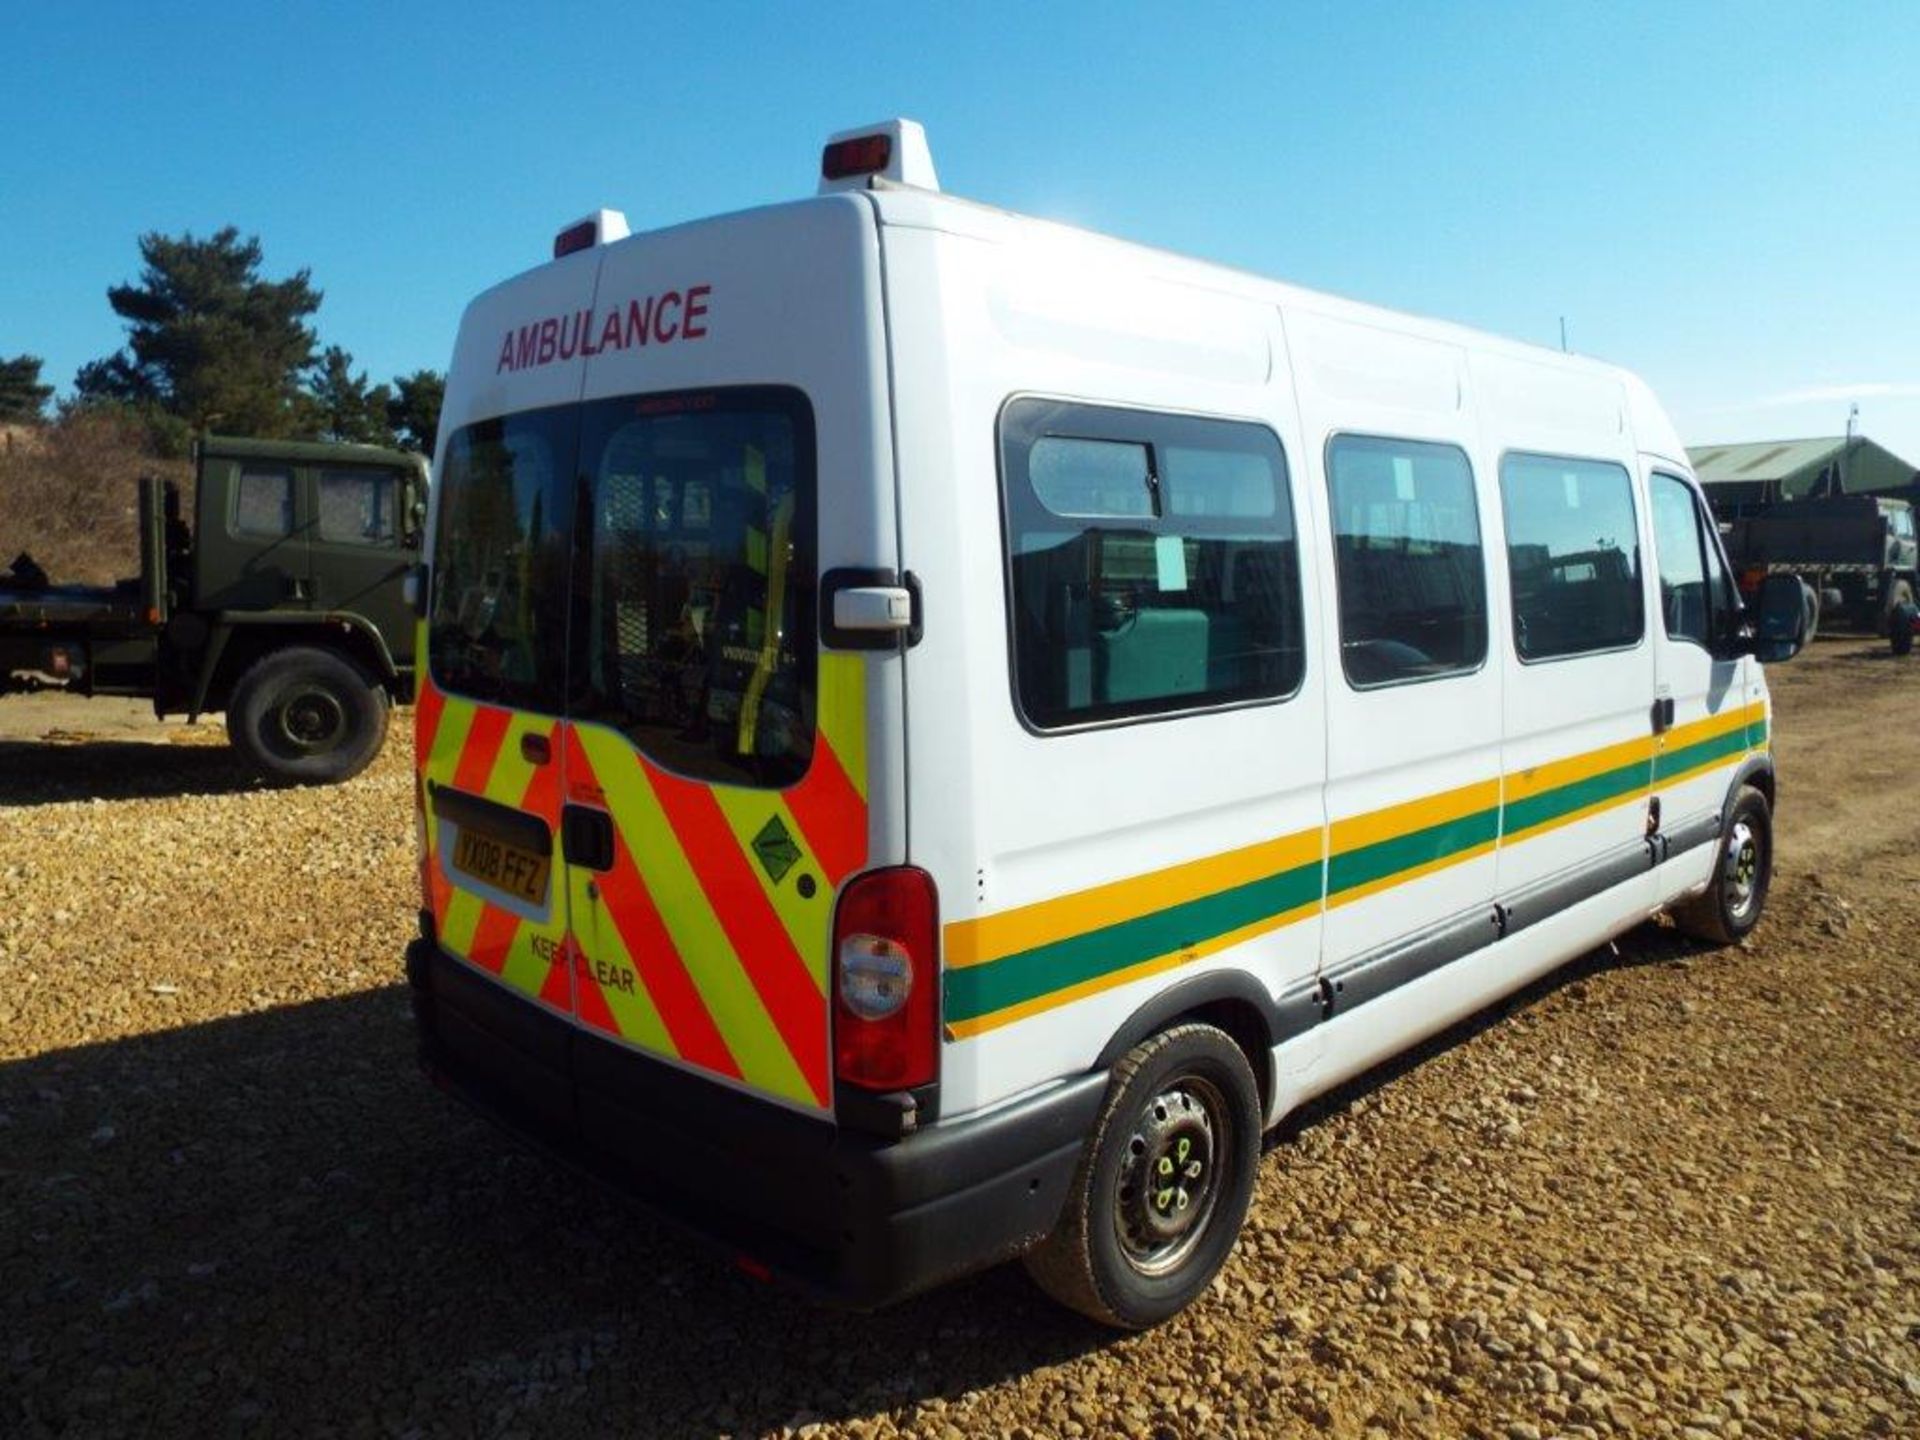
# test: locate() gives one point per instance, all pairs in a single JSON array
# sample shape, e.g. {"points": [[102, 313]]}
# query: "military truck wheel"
{"points": [[1743, 869], [1899, 596], [1163, 1184], [306, 716], [1900, 632]]}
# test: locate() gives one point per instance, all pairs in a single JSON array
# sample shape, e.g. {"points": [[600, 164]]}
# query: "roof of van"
{"points": [[939, 210]]}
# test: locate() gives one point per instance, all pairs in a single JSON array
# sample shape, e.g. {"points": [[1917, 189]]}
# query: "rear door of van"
{"points": [[723, 772], [488, 722]]}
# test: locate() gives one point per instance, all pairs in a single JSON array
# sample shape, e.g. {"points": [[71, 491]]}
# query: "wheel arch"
{"points": [[239, 643], [1757, 771], [1231, 1001]]}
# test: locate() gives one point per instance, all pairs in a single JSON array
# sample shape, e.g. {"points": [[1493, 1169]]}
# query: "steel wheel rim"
{"points": [[1740, 883], [1169, 1182], [310, 720]]}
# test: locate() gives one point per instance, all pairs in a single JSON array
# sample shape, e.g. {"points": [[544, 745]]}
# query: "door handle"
{"points": [[1663, 714], [586, 837]]}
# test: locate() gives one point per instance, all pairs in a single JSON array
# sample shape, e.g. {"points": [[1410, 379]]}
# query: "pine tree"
{"points": [[413, 413], [23, 399], [209, 341]]}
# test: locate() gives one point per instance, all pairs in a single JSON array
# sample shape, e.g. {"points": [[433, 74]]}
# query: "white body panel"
{"points": [[1047, 845]]}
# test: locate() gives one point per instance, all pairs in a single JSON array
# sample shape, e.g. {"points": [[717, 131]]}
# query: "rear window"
{"points": [[668, 592], [500, 561], [698, 640]]}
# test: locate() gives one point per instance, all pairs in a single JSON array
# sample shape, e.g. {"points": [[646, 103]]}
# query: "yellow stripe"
{"points": [[1396, 820], [464, 909], [724, 986], [976, 942], [806, 921], [456, 720], [1519, 784], [842, 713], [1711, 727], [636, 1014], [965, 1029]]}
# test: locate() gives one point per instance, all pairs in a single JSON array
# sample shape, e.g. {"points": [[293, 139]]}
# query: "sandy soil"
{"points": [[1669, 1191]]}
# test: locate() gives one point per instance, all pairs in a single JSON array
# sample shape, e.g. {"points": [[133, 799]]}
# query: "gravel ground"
{"points": [[1667, 1192]]}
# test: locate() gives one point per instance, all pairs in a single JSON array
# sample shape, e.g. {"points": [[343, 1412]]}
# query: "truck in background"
{"points": [[281, 605], [1857, 554]]}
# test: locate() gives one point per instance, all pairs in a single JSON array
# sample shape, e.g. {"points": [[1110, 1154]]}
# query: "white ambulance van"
{"points": [[939, 728]]}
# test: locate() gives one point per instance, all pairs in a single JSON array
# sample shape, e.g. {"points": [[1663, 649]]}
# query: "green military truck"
{"points": [[281, 605]]}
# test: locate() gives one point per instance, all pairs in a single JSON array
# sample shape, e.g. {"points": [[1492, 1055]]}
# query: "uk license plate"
{"points": [[503, 866]]}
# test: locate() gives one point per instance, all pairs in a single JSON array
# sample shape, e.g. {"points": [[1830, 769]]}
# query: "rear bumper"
{"points": [[853, 1218]]}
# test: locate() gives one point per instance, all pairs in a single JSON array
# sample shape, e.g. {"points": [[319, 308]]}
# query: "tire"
{"points": [[1742, 873], [1899, 595], [306, 716], [1129, 1255], [1900, 632]]}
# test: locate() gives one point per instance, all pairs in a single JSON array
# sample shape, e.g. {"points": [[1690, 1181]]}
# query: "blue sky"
{"points": [[1725, 197]]}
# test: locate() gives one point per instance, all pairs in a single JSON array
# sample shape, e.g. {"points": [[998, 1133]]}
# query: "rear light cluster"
{"points": [[886, 982]]}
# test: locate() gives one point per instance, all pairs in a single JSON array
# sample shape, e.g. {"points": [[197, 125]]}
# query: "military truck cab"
{"points": [[280, 603]]}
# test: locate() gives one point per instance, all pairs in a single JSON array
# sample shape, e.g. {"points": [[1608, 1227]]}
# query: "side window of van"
{"points": [[1573, 554], [1407, 556], [1152, 562]]}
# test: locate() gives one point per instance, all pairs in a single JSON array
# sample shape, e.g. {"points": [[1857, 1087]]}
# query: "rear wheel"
{"points": [[1742, 873], [1163, 1184], [307, 716], [1900, 630], [1899, 600]]}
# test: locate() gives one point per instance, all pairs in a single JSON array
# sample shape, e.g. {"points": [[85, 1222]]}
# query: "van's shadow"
{"points": [[274, 1218], [272, 1222], [39, 772]]}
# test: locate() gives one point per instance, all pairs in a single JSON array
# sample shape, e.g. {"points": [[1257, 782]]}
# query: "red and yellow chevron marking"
{"points": [[689, 946], [476, 748]]}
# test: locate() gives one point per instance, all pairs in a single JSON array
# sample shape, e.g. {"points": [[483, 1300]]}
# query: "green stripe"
{"points": [[1377, 861], [1672, 762], [1550, 805], [977, 990]]}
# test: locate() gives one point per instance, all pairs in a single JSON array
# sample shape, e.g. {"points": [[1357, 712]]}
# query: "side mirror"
{"points": [[1780, 622]]}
